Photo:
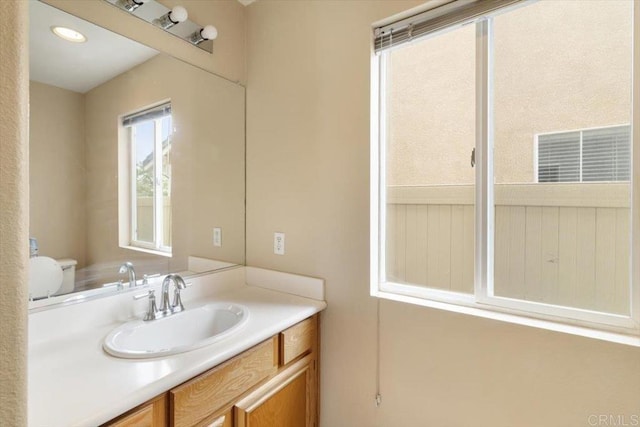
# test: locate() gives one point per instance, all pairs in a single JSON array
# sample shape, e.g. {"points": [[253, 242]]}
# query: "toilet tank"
{"points": [[68, 275]]}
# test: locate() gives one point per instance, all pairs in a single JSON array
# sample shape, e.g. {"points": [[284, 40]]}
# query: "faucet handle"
{"points": [[146, 277], [145, 294], [177, 306], [152, 311]]}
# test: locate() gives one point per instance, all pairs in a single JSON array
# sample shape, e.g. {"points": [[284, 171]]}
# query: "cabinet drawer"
{"points": [[152, 414], [209, 392], [297, 340], [141, 418]]}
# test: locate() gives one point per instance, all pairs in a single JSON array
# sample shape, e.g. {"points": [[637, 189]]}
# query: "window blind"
{"points": [[606, 154], [423, 24], [602, 154], [148, 114], [559, 157]]}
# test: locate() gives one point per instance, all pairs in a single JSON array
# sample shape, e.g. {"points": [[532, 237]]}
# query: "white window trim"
{"points": [[127, 191], [608, 327], [158, 198]]}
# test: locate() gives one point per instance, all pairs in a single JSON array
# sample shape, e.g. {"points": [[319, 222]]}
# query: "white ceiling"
{"points": [[77, 66]]}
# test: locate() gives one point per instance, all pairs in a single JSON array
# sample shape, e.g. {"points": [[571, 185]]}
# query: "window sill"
{"points": [[148, 251], [615, 337]]}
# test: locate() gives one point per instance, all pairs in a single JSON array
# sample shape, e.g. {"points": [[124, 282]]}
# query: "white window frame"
{"points": [[128, 192], [581, 131], [483, 303]]}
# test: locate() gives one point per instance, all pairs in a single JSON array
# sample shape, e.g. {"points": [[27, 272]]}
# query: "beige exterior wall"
{"points": [[559, 66], [14, 212], [57, 173], [308, 168], [431, 111]]}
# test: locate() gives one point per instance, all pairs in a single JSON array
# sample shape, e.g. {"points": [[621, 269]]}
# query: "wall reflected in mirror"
{"points": [[135, 156]]}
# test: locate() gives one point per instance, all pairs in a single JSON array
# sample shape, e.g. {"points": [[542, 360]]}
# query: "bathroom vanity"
{"points": [[276, 378], [265, 373]]}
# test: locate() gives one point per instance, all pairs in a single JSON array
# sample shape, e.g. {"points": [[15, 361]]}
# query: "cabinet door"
{"points": [[220, 420], [210, 392], [284, 401]]}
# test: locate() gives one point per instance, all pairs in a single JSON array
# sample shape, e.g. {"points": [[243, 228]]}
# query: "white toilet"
{"points": [[48, 277], [45, 277], [68, 275]]}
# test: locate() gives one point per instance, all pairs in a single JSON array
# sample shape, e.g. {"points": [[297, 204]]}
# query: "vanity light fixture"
{"points": [[130, 5], [69, 34], [174, 16], [207, 33], [159, 15]]}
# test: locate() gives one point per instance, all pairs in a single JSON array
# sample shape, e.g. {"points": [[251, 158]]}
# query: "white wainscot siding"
{"points": [[565, 244]]}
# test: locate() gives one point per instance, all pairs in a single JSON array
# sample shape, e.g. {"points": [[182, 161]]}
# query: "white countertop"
{"points": [[73, 382]]}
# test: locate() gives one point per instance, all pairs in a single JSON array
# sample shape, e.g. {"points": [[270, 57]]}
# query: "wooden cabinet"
{"points": [[149, 414], [273, 384], [209, 392], [298, 340], [219, 420], [284, 401]]}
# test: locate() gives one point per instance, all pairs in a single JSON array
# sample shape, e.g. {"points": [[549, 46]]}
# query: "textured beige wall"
{"points": [[228, 58], [558, 74], [207, 162], [431, 110], [308, 176], [14, 212], [57, 172]]}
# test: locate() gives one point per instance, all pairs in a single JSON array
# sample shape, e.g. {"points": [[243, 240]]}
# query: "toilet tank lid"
{"points": [[67, 262]]}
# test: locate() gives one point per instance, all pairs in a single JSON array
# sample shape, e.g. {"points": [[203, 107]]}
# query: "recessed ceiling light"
{"points": [[69, 34]]}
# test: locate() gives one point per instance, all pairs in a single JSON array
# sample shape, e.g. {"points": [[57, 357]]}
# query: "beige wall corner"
{"points": [[14, 205]]}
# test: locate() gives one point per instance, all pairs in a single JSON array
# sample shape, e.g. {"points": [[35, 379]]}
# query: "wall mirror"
{"points": [[135, 156]]}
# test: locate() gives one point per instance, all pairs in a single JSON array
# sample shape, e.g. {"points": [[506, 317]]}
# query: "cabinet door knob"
{"points": [[218, 422]]}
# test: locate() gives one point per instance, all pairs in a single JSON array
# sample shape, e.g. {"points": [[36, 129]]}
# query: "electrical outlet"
{"points": [[217, 236], [278, 243]]}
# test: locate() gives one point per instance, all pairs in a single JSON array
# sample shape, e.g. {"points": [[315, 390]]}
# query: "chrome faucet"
{"points": [[167, 308], [127, 267]]}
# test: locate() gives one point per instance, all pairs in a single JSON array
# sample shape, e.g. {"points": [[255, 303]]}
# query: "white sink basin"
{"points": [[180, 332]]}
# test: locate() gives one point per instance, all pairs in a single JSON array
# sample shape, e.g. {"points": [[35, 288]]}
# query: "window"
{"points": [[148, 173], [591, 155], [465, 215]]}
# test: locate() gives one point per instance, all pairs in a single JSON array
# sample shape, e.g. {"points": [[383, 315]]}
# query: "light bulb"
{"points": [[174, 16], [209, 32], [178, 14]]}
